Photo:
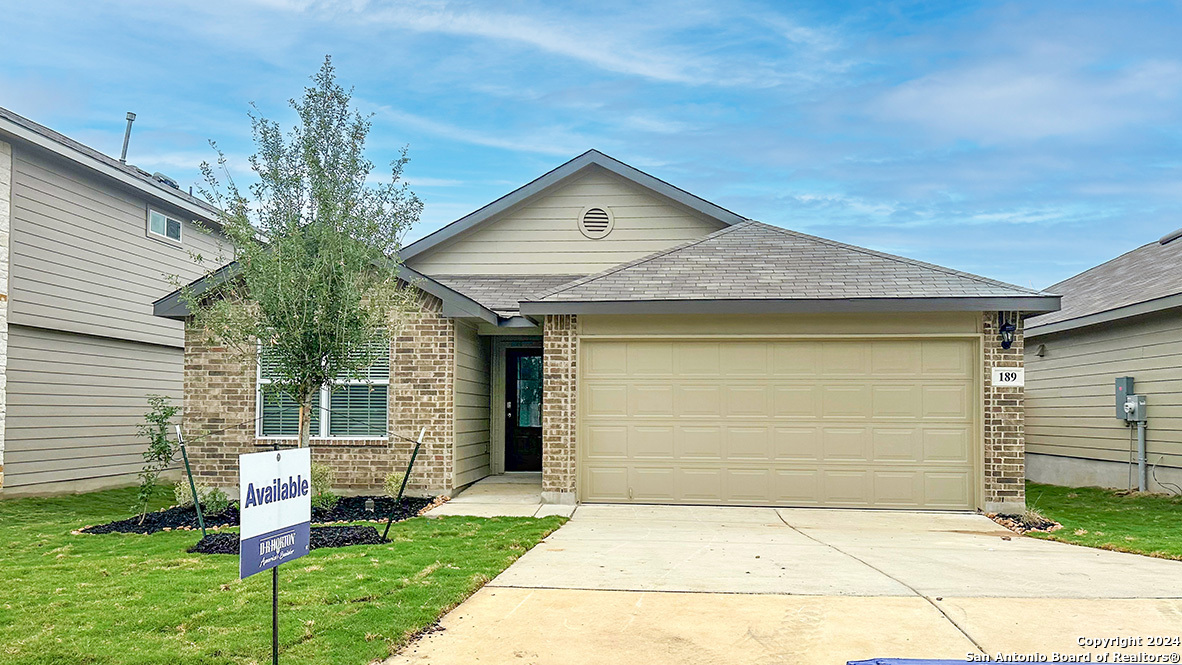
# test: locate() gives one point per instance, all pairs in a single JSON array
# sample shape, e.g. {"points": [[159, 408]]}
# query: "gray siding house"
{"points": [[86, 244], [1121, 318]]}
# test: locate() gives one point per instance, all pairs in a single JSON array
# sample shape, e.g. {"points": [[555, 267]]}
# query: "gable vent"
{"points": [[595, 223]]}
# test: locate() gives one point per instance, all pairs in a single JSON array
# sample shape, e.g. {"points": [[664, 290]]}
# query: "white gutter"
{"points": [[1147, 307]]}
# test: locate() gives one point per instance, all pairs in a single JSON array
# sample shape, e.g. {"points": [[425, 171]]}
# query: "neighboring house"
{"points": [[86, 243], [1121, 318], [635, 343]]}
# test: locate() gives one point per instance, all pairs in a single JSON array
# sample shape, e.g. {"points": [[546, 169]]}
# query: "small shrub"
{"points": [[161, 451], [393, 483], [322, 481], [213, 500]]}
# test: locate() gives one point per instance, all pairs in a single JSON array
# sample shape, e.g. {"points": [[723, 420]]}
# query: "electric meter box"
{"points": [[1124, 388], [1135, 409]]}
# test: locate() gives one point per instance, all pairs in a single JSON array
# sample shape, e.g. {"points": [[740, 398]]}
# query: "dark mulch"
{"points": [[177, 517], [352, 509], [321, 536], [348, 509]]}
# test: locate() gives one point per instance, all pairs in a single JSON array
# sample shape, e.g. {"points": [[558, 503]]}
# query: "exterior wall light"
{"points": [[1005, 330]]}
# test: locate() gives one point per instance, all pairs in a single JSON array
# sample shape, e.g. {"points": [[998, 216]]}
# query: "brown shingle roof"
{"points": [[756, 261], [1147, 273], [501, 293]]}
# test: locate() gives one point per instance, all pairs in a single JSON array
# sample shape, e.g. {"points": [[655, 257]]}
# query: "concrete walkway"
{"points": [[505, 495], [759, 585]]}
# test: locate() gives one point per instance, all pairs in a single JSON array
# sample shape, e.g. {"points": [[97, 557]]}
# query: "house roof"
{"points": [[585, 160], [755, 267], [455, 304], [502, 293], [15, 126], [1146, 279]]}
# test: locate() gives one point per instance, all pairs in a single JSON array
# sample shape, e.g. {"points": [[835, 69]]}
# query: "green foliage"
{"points": [[322, 482], [141, 600], [161, 450], [213, 500], [1111, 519], [315, 245], [393, 483]]}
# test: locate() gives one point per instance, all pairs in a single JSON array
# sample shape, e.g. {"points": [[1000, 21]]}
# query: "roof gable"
{"points": [[414, 252]]}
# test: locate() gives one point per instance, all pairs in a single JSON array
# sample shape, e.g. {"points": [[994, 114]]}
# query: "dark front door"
{"points": [[523, 410]]}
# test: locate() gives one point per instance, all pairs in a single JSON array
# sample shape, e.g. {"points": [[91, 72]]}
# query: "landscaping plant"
{"points": [[213, 500], [393, 483], [315, 246], [161, 450], [322, 480]]}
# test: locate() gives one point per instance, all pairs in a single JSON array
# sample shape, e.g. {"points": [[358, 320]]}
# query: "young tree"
{"points": [[314, 283]]}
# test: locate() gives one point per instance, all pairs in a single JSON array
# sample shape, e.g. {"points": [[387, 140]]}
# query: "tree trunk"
{"points": [[306, 419]]}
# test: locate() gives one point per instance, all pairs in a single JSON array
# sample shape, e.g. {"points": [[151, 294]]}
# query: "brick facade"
{"points": [[559, 365], [219, 416], [1005, 437]]}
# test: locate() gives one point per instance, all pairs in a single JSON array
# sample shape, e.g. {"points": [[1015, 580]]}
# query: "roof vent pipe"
{"points": [[126, 137], [1171, 236]]}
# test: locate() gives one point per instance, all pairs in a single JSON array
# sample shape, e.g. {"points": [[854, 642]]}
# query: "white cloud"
{"points": [[1034, 97]]}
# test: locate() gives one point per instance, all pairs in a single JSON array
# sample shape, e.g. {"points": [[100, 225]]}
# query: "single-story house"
{"points": [[635, 343], [1121, 318]]}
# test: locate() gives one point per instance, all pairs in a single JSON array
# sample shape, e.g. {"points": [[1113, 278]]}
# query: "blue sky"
{"points": [[1025, 142]]}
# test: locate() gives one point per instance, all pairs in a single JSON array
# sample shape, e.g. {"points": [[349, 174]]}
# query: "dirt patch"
{"points": [[319, 537], [348, 509]]}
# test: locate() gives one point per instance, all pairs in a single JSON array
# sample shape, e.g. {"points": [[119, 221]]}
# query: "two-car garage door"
{"points": [[888, 423]]}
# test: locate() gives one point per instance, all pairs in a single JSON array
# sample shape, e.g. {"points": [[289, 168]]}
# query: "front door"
{"points": [[523, 410]]}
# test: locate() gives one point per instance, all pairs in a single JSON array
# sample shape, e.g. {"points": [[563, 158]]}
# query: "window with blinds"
{"points": [[347, 408]]}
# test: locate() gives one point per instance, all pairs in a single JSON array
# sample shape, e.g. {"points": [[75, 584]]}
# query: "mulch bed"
{"points": [[320, 536], [1027, 523], [348, 509]]}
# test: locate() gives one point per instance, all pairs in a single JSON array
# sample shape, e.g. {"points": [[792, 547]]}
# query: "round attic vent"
{"points": [[596, 223]]}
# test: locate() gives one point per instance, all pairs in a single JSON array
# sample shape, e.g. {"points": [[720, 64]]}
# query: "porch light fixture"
{"points": [[1005, 330]]}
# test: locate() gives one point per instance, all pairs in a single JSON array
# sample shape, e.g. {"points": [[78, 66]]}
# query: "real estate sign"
{"points": [[275, 495]]}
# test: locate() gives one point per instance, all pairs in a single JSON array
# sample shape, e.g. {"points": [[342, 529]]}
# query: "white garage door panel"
{"points": [[882, 423]]}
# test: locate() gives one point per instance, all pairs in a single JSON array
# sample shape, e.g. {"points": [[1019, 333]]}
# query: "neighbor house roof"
{"points": [[15, 126], [755, 267], [583, 161], [1144, 280], [502, 293]]}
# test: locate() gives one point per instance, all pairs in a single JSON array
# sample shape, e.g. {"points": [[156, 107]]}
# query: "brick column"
{"points": [[1005, 437], [422, 391], [559, 358], [5, 228]]}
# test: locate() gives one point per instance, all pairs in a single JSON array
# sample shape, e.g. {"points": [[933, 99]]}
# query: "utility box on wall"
{"points": [[1124, 388]]}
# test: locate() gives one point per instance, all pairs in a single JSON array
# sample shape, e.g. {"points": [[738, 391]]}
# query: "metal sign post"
{"points": [[275, 492]]}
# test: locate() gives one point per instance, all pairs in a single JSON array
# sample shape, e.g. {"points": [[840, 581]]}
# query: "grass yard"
{"points": [[1149, 524], [118, 598]]}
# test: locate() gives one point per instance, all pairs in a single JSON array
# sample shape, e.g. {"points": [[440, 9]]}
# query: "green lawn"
{"points": [[1147, 524], [118, 598]]}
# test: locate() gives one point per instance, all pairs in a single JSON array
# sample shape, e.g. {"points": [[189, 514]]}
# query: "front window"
{"points": [[346, 409], [164, 226]]}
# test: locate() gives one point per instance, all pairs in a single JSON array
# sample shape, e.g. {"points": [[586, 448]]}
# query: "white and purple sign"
{"points": [[275, 495]]}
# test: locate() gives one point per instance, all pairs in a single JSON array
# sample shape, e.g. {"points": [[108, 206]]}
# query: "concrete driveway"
{"points": [[657, 584]]}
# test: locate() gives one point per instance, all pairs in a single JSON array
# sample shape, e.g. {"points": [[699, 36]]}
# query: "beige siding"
{"points": [[541, 236], [472, 406], [1070, 407], [73, 404], [82, 260]]}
